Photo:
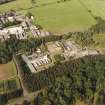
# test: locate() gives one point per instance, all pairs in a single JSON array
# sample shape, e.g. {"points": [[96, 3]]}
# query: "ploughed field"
{"points": [[7, 71]]}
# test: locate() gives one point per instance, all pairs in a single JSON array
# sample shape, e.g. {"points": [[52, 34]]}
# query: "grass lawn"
{"points": [[62, 17], [7, 71], [9, 85], [41, 2], [97, 7], [100, 41], [16, 5], [55, 17], [80, 103]]}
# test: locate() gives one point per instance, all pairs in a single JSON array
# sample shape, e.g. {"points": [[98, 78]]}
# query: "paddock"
{"points": [[60, 18], [7, 70], [17, 5]]}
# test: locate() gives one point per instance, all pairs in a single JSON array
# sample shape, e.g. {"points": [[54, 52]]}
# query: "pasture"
{"points": [[7, 71], [97, 7], [9, 85], [80, 103], [16, 5], [8, 78], [99, 41], [62, 17]]}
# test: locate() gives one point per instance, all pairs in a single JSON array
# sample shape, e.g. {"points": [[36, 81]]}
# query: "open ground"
{"points": [[7, 71], [97, 7], [16, 5], [62, 17]]}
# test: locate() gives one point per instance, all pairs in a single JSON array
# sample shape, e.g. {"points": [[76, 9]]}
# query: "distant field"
{"points": [[16, 5], [8, 78], [80, 103], [100, 41], [9, 85], [97, 7], [55, 17], [7, 71], [62, 17]]}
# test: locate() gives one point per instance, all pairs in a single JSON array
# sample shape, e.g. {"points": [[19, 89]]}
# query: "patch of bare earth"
{"points": [[4, 72]]}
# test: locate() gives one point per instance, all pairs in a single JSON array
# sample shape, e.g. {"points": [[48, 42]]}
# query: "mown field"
{"points": [[72, 15], [8, 78], [97, 7], [16, 5], [99, 41], [62, 17], [80, 103]]}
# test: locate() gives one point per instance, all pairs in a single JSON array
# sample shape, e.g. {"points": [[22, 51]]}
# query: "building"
{"points": [[70, 48], [12, 23], [17, 31], [54, 47], [11, 17], [38, 32], [35, 61]]}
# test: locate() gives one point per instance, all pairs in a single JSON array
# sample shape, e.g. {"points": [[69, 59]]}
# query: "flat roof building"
{"points": [[35, 61], [18, 31]]}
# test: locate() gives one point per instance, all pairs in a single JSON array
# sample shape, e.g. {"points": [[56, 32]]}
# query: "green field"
{"points": [[62, 17], [11, 69], [8, 78], [97, 7], [9, 85], [16, 5], [99, 41]]}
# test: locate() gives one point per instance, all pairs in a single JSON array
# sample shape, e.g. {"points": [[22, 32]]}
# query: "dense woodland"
{"points": [[82, 79]]}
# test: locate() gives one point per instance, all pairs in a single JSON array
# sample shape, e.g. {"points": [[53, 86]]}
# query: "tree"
{"points": [[25, 102]]}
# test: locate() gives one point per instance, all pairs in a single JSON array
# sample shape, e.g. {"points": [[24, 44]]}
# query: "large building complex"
{"points": [[35, 61], [12, 23]]}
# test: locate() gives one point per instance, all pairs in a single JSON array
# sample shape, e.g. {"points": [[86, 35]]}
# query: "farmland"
{"points": [[62, 17], [97, 7], [15, 5], [7, 71], [99, 42], [76, 28], [8, 78], [9, 85]]}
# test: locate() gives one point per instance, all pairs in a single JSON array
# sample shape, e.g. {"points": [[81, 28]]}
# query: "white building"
{"points": [[18, 31], [34, 61], [38, 32]]}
